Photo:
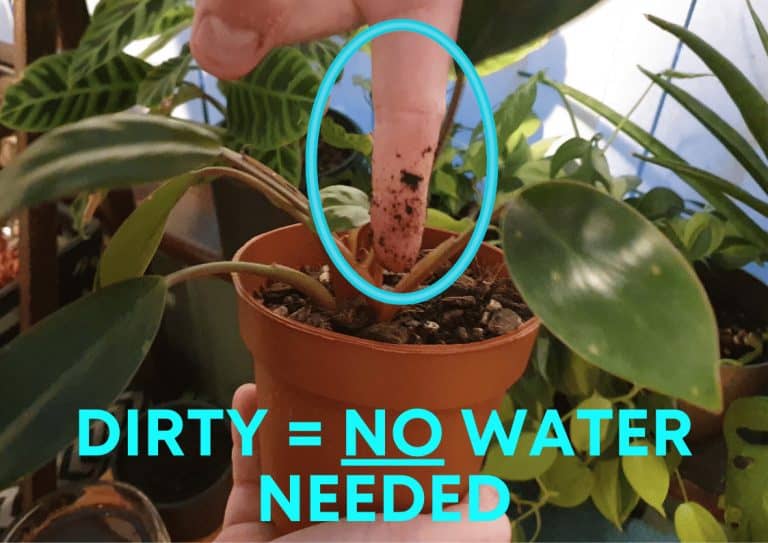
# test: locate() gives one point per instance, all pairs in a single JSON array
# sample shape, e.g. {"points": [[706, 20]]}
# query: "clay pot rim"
{"points": [[528, 327]]}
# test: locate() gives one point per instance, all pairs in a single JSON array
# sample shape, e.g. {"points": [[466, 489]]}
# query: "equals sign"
{"points": [[307, 440]]}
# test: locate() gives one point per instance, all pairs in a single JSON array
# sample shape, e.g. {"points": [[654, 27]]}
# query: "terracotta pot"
{"points": [[734, 287], [307, 374]]}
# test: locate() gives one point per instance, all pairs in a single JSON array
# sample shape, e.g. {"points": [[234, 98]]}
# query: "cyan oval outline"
{"points": [[491, 158]]}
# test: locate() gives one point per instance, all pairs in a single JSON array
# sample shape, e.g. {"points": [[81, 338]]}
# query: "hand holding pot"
{"points": [[230, 37], [241, 520]]}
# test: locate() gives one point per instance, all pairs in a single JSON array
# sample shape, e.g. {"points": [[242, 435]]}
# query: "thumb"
{"points": [[230, 37]]}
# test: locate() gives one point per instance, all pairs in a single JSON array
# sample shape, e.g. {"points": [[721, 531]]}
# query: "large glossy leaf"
{"points": [[81, 357], [115, 24], [491, 27], [43, 99], [745, 95], [135, 243], [270, 106], [718, 200], [611, 286], [109, 151], [162, 80], [736, 144]]}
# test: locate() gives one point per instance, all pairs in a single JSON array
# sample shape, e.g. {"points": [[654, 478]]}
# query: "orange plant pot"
{"points": [[308, 374]]}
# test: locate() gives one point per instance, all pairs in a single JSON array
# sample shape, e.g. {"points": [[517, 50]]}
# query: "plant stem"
{"points": [[620, 126], [302, 282], [681, 483], [450, 114], [207, 97], [566, 104]]}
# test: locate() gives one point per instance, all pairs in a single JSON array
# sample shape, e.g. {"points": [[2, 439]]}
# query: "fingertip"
{"points": [[223, 49], [244, 400]]}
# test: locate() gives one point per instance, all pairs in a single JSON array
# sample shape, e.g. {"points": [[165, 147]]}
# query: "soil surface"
{"points": [[329, 158], [480, 305], [739, 334]]}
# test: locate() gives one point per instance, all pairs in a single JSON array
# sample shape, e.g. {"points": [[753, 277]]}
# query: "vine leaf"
{"points": [[115, 24], [43, 99], [270, 107], [648, 475]]}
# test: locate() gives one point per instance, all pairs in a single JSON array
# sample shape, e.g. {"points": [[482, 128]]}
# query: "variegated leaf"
{"points": [[172, 18], [270, 107], [162, 80], [286, 160], [43, 100], [321, 53], [114, 25]]}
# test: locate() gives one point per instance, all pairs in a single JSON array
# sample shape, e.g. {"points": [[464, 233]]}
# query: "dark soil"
{"points": [[739, 334], [480, 305], [329, 158]]}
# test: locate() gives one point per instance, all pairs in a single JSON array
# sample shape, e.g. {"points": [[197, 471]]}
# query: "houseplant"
{"points": [[124, 312]]}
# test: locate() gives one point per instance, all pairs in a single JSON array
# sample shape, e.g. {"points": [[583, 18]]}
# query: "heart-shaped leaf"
{"points": [[135, 243], [108, 151], [81, 357], [115, 23], [614, 289], [521, 466], [579, 429], [270, 106], [438, 219], [611, 493], [693, 524], [44, 100], [569, 482], [703, 235], [648, 475]]}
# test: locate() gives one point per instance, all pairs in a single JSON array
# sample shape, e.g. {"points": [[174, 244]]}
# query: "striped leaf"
{"points": [[286, 160], [104, 152], [115, 24], [43, 100], [162, 80], [172, 18], [320, 53], [749, 101], [736, 144], [270, 107]]}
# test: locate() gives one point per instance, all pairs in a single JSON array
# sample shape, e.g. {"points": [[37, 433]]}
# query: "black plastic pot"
{"points": [[190, 492], [78, 259], [243, 213]]}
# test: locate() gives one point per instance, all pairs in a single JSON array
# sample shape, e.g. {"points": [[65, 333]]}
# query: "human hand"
{"points": [[410, 72], [241, 519]]}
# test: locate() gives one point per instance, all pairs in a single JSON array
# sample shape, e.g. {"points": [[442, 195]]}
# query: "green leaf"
{"points": [[492, 27], [438, 219], [648, 475], [498, 62], [171, 19], [521, 466], [736, 144], [703, 235], [570, 150], [287, 160], [601, 277], [43, 99], [540, 149], [674, 74], [579, 428], [320, 53], [162, 80], [759, 26], [716, 185], [81, 357], [718, 200], [660, 203], [693, 524], [337, 136], [135, 243], [749, 101], [623, 184], [611, 492], [109, 151], [735, 254], [345, 207], [114, 25], [569, 482], [270, 107]]}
